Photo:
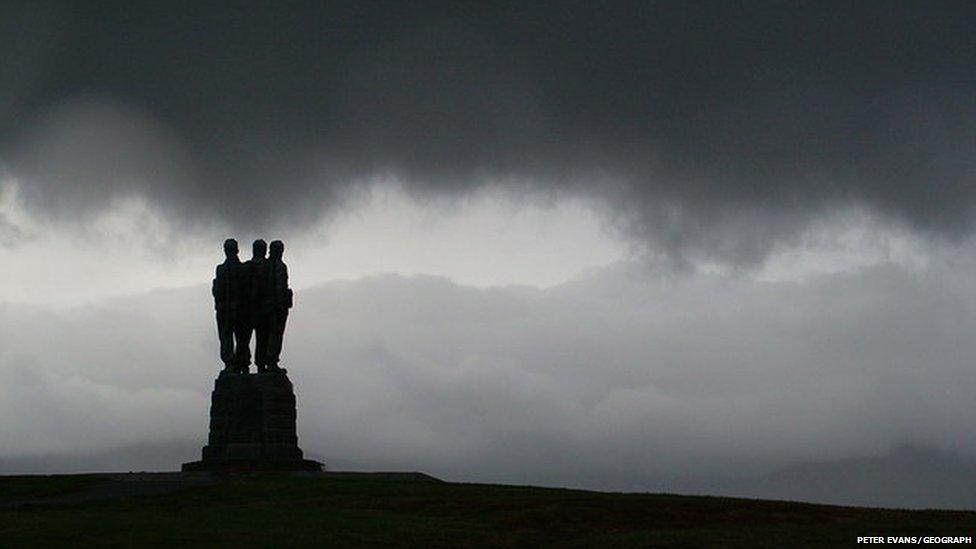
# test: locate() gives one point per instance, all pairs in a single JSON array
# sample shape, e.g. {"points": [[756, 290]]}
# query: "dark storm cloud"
{"points": [[710, 127]]}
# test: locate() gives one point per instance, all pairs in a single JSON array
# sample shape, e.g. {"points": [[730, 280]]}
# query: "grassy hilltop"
{"points": [[289, 510]]}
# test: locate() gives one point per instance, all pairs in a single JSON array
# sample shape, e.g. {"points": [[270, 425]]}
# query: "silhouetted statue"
{"points": [[230, 289], [281, 301], [252, 297], [252, 416], [258, 302]]}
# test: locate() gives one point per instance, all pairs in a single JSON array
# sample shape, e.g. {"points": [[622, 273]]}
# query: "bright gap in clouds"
{"points": [[490, 238], [487, 239], [846, 241]]}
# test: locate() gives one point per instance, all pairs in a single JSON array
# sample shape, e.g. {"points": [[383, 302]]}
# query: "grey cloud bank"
{"points": [[708, 129], [614, 381]]}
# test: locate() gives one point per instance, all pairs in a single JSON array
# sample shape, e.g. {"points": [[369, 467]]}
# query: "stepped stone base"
{"points": [[252, 426]]}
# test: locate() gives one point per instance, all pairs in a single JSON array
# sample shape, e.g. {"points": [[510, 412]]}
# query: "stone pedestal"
{"points": [[252, 426]]}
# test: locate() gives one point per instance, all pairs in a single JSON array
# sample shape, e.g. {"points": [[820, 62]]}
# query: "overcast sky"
{"points": [[614, 245]]}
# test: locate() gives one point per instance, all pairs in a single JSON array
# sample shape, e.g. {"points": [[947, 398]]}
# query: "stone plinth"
{"points": [[252, 426]]}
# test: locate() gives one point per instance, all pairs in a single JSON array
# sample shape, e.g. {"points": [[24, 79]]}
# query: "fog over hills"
{"points": [[617, 380]]}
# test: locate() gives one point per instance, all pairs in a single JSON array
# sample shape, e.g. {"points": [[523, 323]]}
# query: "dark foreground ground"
{"points": [[174, 509]]}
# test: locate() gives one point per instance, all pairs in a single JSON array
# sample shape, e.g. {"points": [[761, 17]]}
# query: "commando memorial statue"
{"points": [[252, 415]]}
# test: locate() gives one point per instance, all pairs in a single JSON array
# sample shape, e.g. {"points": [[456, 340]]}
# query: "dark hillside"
{"points": [[293, 510]]}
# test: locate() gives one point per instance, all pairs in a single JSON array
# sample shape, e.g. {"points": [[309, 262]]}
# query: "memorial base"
{"points": [[252, 426]]}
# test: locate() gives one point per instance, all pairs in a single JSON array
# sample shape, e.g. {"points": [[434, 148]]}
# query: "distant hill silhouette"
{"points": [[911, 476]]}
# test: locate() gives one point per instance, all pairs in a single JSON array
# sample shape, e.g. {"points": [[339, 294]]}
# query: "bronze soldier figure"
{"points": [[230, 301], [260, 302], [281, 301]]}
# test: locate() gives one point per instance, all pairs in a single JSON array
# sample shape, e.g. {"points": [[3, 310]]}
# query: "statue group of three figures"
{"points": [[252, 297]]}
